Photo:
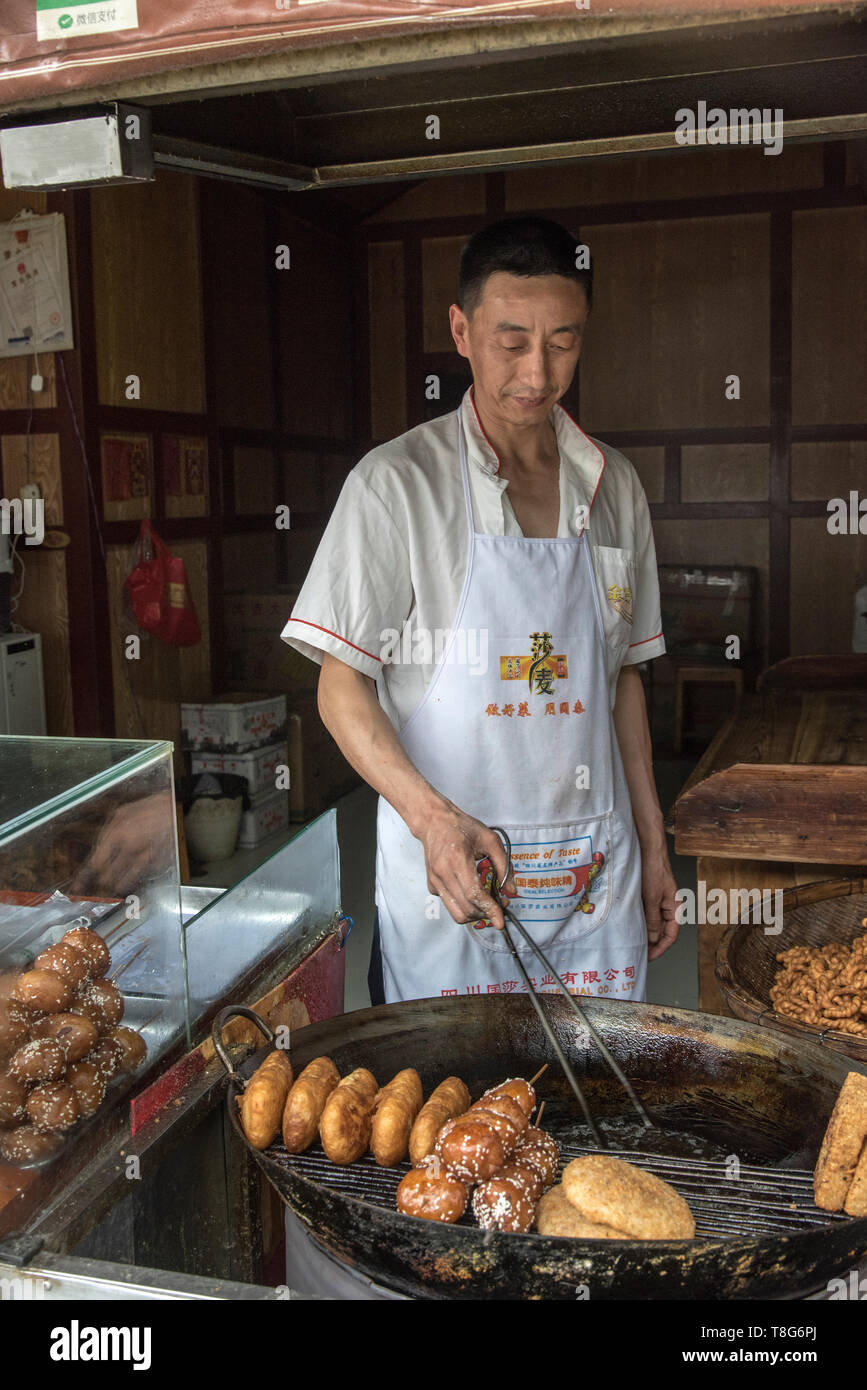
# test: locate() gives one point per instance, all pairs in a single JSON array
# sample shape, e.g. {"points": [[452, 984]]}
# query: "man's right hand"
{"points": [[453, 842]]}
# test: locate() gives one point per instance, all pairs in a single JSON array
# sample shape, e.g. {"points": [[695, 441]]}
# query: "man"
{"points": [[503, 525]]}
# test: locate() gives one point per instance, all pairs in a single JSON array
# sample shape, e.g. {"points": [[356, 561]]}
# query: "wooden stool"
{"points": [[702, 674]]}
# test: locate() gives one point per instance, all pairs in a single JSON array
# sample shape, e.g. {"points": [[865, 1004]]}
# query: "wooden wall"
{"points": [[709, 263], [147, 295], [34, 455], [251, 360], [283, 369], [251, 366]]}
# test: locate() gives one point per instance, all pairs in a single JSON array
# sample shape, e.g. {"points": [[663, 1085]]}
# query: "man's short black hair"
{"points": [[519, 246]]}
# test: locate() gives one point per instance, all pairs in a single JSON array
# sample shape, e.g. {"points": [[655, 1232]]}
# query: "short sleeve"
{"points": [[647, 639], [358, 587]]}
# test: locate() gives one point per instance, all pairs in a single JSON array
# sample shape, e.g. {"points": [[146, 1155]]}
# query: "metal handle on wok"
{"points": [[219, 1024], [509, 916]]}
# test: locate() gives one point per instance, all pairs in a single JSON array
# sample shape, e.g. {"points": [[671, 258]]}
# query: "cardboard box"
{"points": [[233, 723], [318, 771], [258, 766], [265, 817]]}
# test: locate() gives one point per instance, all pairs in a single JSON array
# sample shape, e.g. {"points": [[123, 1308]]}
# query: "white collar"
{"points": [[583, 459]]}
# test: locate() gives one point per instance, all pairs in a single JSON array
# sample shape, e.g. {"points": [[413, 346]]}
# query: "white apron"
{"points": [[515, 745]]}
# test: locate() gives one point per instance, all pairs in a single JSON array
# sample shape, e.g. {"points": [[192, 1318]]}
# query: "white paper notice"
{"points": [[35, 309], [78, 17]]}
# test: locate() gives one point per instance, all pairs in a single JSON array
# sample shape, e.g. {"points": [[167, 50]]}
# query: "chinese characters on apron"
{"points": [[528, 744]]}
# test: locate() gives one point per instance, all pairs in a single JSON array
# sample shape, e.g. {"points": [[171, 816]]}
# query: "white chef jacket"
{"points": [[394, 552]]}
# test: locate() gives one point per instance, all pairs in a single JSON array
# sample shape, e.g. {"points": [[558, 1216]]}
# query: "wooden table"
{"points": [[778, 799]]}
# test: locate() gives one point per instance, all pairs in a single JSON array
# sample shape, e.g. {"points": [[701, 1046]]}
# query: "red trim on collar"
{"points": [[595, 446], [568, 417], [482, 428]]}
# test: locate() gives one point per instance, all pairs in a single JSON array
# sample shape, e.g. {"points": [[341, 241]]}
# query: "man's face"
{"points": [[522, 342]]}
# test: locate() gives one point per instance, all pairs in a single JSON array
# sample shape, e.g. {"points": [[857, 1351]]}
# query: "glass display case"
{"points": [[282, 907], [92, 973]]}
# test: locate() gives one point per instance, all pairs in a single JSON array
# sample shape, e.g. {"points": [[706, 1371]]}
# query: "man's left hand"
{"points": [[658, 888]]}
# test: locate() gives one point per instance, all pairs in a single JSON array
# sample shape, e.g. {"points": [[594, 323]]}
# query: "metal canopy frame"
{"points": [[506, 96]]}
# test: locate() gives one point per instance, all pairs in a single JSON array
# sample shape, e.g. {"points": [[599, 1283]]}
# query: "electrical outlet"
{"points": [[37, 381], [29, 492]]}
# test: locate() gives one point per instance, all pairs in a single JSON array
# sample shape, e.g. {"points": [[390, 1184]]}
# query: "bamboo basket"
{"points": [[814, 914]]}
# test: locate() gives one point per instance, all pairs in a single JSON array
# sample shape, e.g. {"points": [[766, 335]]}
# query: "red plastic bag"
{"points": [[159, 593]]}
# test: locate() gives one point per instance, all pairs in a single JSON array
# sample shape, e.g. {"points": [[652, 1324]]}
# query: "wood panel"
{"points": [[43, 608], [724, 473], [250, 561], [146, 691], [822, 470], [680, 173], [300, 548], [313, 329], [825, 575], [239, 286], [15, 374], [335, 468], [854, 164], [829, 316], [194, 663], [777, 812], [44, 603], [147, 293], [254, 472], [387, 339], [300, 487], [784, 779], [15, 200], [42, 467], [720, 542], [649, 463], [679, 307], [461, 195], [440, 262]]}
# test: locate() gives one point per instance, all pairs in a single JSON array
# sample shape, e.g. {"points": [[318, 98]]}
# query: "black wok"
{"points": [[725, 1097]]}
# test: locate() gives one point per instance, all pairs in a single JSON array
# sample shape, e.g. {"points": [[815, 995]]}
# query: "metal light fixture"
{"points": [[85, 149]]}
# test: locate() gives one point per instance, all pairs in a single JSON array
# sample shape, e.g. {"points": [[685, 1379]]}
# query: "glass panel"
{"points": [[290, 896], [38, 775], [91, 843]]}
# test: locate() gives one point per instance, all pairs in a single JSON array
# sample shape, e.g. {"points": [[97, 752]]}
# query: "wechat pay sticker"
{"points": [[65, 21]]}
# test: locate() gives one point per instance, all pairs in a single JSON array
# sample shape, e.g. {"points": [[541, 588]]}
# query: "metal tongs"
{"points": [[509, 916]]}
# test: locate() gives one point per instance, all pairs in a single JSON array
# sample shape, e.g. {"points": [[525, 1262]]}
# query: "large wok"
{"points": [[721, 1093]]}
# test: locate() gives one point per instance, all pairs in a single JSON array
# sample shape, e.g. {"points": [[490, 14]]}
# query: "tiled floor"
{"points": [[671, 980]]}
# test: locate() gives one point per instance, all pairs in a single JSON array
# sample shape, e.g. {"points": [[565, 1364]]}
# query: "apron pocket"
{"points": [[564, 878]]}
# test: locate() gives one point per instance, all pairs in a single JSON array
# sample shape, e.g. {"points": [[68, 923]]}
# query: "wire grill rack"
{"points": [[746, 1202]]}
